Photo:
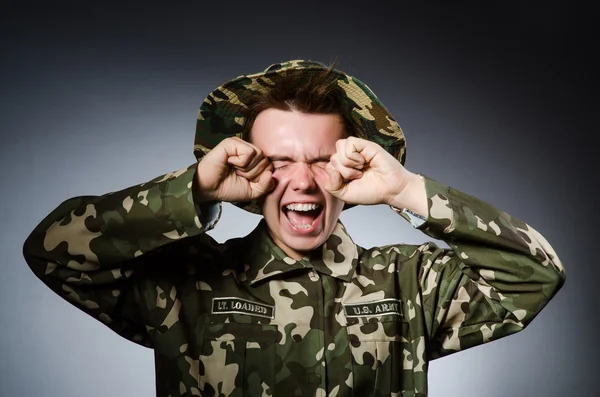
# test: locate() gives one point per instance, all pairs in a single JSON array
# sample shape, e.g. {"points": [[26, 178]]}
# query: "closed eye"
{"points": [[278, 165]]}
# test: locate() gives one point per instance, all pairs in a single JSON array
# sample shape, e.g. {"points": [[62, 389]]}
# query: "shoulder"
{"points": [[396, 257]]}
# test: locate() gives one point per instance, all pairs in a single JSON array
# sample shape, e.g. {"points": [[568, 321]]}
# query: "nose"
{"points": [[302, 178]]}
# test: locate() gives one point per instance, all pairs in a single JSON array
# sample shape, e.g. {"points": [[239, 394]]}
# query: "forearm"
{"points": [[90, 233], [507, 271], [88, 249]]}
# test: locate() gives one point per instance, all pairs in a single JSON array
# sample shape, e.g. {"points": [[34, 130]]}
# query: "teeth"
{"points": [[302, 207], [302, 226], [299, 226]]}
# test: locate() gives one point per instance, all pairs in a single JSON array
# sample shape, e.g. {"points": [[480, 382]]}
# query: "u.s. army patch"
{"points": [[373, 308], [232, 305]]}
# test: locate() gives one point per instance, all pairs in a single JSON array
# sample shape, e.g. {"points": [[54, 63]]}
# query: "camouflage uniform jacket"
{"points": [[241, 318]]}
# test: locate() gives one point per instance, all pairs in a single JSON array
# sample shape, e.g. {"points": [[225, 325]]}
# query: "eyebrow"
{"points": [[309, 161]]}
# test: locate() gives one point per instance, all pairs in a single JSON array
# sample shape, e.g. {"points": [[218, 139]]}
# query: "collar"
{"points": [[337, 257]]}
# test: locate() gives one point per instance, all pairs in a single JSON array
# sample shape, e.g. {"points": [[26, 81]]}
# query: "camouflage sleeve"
{"points": [[86, 250], [497, 276]]}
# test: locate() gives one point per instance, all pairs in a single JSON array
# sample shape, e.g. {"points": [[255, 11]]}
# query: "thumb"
{"points": [[263, 185], [335, 179]]}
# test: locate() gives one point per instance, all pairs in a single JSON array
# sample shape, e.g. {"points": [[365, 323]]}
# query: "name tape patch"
{"points": [[242, 306], [374, 308]]}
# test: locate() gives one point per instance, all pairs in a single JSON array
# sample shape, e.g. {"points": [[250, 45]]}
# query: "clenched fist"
{"points": [[362, 172], [233, 171]]}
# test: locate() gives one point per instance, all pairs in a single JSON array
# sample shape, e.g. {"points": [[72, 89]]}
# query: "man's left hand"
{"points": [[362, 172]]}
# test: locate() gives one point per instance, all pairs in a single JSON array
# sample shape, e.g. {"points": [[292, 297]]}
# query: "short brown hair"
{"points": [[317, 93]]}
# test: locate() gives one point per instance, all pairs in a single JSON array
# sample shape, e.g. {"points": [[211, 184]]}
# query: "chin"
{"points": [[305, 245]]}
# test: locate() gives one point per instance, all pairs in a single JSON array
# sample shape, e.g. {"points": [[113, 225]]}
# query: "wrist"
{"points": [[412, 196], [198, 192]]}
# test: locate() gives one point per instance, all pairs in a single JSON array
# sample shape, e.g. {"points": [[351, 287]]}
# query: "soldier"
{"points": [[295, 307]]}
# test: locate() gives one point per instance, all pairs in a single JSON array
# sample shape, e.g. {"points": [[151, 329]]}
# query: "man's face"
{"points": [[299, 212]]}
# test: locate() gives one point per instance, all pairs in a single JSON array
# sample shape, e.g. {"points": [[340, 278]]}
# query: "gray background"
{"points": [[497, 100]]}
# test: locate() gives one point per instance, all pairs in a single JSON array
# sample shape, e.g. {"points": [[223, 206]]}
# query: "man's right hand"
{"points": [[233, 171]]}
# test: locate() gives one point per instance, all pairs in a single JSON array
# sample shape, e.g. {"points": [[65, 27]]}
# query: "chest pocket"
{"points": [[238, 359], [382, 355]]}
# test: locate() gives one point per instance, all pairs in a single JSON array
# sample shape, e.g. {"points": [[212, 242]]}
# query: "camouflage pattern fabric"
{"points": [[225, 110], [241, 318]]}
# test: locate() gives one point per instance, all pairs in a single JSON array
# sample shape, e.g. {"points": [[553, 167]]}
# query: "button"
{"points": [[313, 275]]}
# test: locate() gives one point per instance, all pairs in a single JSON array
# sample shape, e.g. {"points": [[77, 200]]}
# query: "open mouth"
{"points": [[303, 216]]}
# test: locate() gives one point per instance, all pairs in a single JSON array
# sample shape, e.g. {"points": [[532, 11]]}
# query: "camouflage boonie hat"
{"points": [[225, 110]]}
